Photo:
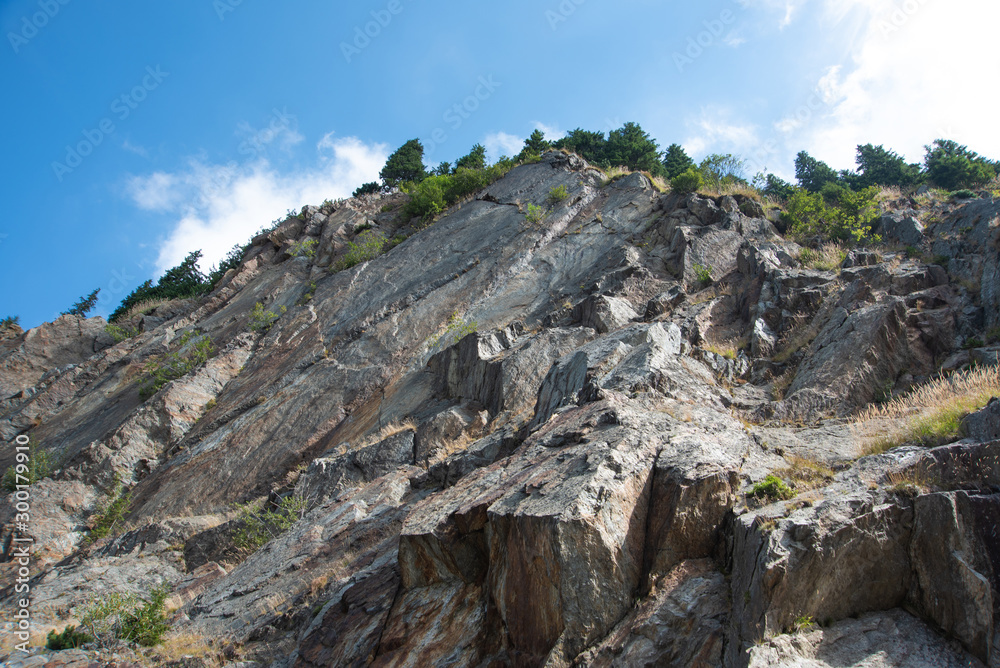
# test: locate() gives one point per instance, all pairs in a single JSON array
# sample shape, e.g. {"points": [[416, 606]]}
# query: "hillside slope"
{"points": [[535, 443]]}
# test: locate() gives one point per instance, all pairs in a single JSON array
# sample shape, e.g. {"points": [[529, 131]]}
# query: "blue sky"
{"points": [[136, 132]]}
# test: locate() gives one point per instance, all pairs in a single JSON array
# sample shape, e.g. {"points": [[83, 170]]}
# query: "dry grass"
{"points": [[910, 482], [391, 429], [142, 308], [186, 645], [930, 415], [827, 257], [807, 473], [614, 173], [728, 349], [797, 339], [659, 183], [780, 385]]}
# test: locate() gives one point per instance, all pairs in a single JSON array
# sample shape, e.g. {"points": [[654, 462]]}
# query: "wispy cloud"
{"points": [[216, 206], [502, 143], [716, 130]]}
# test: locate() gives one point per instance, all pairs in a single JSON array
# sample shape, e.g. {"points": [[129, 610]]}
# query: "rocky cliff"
{"points": [[534, 443]]}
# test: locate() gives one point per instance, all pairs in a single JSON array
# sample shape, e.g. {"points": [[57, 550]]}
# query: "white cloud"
{"points": [[218, 206], [734, 39], [714, 131], [502, 143], [551, 132], [132, 148], [916, 75]]}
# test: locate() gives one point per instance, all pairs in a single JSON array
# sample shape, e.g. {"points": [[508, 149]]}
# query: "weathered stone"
{"points": [[984, 425], [949, 585], [900, 226], [875, 640], [329, 477], [603, 313]]}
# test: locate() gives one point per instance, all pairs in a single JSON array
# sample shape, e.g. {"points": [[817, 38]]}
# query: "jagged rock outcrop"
{"points": [[531, 444]]}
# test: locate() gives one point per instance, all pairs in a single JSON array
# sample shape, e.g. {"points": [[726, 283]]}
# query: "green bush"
{"points": [[192, 352], [687, 182], [261, 320], [367, 189], [31, 467], [772, 488], [305, 248], [456, 330], [836, 214], [108, 518], [963, 194], [558, 194], [256, 525], [436, 193], [70, 638], [121, 332], [702, 273], [368, 246], [535, 214], [953, 167], [127, 617]]}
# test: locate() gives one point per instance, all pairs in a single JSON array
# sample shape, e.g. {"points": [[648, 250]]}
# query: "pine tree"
{"points": [[406, 164], [632, 147], [813, 174], [591, 146], [676, 161], [534, 145], [475, 160], [84, 306]]}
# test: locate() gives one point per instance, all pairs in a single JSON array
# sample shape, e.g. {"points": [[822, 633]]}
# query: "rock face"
{"points": [[511, 443]]}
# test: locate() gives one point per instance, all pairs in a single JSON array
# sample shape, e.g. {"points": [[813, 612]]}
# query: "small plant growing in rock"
{"points": [[368, 246], [127, 617], [70, 638], [803, 623], [193, 351], [535, 214], [558, 194], [107, 520], [121, 332], [772, 488], [456, 330], [305, 248], [257, 524], [31, 467], [261, 320], [703, 274], [307, 297]]}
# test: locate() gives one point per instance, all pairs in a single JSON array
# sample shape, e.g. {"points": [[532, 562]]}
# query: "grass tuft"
{"points": [[930, 415]]}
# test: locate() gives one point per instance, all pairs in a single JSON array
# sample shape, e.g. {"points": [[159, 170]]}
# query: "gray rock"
{"points": [[603, 313], [890, 639], [984, 425], [900, 226], [328, 477]]}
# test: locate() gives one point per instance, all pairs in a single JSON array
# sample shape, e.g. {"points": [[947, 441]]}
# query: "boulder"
{"points": [[900, 226]]}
